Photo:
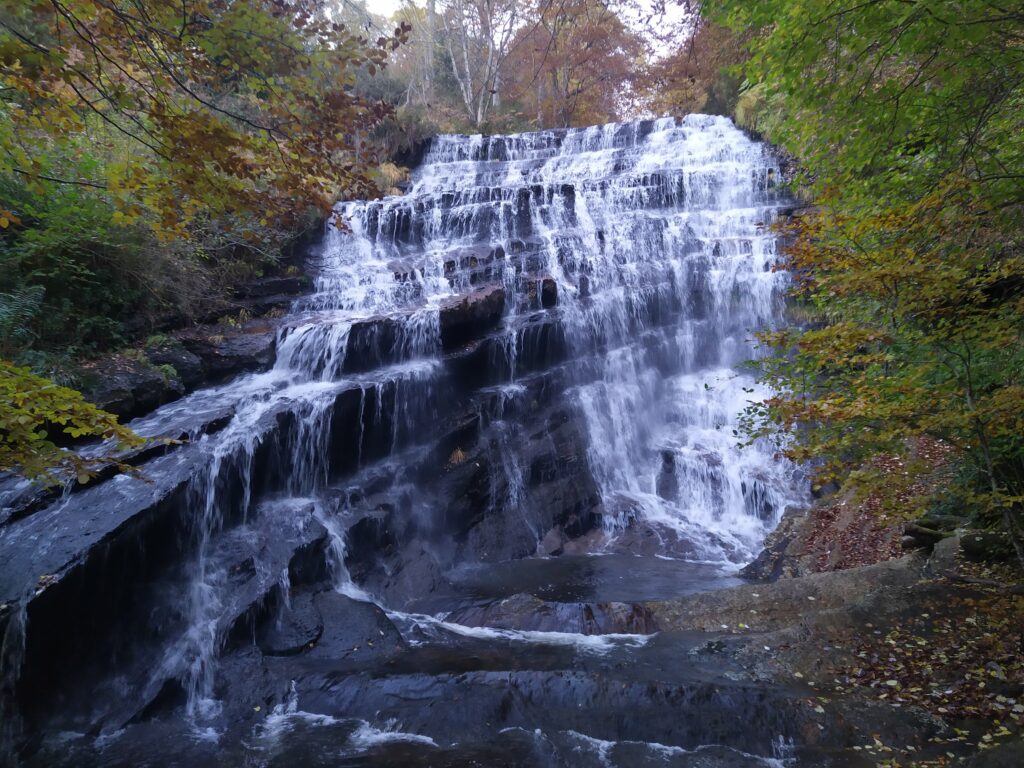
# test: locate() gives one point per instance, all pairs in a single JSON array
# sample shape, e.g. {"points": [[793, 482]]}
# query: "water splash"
{"points": [[655, 235]]}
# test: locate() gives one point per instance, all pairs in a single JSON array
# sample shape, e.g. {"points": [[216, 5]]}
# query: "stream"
{"points": [[503, 422]]}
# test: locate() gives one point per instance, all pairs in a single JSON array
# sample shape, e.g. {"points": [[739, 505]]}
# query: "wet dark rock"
{"points": [[296, 628], [187, 366], [20, 497], [249, 686], [276, 539], [470, 706], [292, 285], [128, 387], [667, 484], [412, 154], [133, 533], [775, 558], [371, 536], [526, 612], [233, 353], [310, 562], [584, 287], [548, 292], [473, 262], [353, 629], [404, 271], [84, 595], [372, 343], [470, 315]]}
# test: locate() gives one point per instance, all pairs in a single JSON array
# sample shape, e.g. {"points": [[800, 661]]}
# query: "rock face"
{"points": [[129, 388], [225, 355], [464, 317], [830, 535], [487, 385], [167, 369]]}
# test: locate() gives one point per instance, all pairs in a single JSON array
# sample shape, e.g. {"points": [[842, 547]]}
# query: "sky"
{"points": [[387, 7], [383, 7]]}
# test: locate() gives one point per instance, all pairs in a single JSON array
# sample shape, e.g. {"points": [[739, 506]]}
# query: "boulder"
{"points": [[981, 546], [187, 365], [470, 315], [224, 356], [128, 388], [353, 629]]}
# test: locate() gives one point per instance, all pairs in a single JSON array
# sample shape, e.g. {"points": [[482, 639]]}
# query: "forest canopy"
{"points": [[907, 120], [153, 154]]}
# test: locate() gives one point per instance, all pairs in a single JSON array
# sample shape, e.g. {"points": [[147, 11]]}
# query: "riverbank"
{"points": [[916, 660]]}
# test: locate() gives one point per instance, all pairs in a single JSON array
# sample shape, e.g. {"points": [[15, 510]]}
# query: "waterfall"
{"points": [[537, 350], [657, 235]]}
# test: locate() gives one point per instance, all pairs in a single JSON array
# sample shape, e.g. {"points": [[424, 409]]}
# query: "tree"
{"points": [[478, 35], [177, 118], [907, 117], [228, 106], [697, 75], [32, 409], [575, 63]]}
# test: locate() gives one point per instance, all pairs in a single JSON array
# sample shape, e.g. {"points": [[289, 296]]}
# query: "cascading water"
{"points": [[657, 237], [520, 380]]}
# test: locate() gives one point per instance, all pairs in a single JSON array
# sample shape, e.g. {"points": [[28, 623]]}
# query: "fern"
{"points": [[17, 310]]}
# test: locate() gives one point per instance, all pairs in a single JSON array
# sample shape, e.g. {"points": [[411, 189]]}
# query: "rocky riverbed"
{"points": [[477, 500]]}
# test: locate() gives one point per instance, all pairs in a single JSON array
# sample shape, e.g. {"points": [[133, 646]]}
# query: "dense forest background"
{"points": [[155, 155]]}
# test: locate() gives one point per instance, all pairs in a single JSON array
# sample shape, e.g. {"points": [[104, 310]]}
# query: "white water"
{"points": [[657, 237], [634, 227]]}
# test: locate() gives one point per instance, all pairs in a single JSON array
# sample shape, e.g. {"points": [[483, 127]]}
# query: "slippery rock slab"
{"points": [[470, 315], [38, 550], [374, 342], [178, 424], [470, 705], [353, 629], [128, 387], [525, 612], [253, 556], [787, 602]]}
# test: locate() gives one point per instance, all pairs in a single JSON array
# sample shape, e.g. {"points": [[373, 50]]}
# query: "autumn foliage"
{"points": [[230, 106], [151, 153], [909, 271]]}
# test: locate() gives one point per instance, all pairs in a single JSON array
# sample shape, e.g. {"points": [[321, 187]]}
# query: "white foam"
{"points": [[594, 644], [366, 736]]}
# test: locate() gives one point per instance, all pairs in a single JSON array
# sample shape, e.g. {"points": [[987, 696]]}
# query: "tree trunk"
{"points": [[428, 76]]}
